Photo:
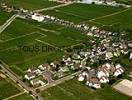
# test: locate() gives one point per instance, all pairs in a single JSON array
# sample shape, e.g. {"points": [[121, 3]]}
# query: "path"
{"points": [[13, 77], [51, 8], [59, 81], [14, 96], [7, 23]]}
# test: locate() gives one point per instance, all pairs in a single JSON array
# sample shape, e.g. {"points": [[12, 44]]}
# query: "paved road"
{"points": [[6, 69], [7, 23], [54, 83], [50, 8]]}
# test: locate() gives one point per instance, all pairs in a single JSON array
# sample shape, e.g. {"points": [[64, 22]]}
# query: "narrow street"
{"points": [[59, 81], [19, 82]]}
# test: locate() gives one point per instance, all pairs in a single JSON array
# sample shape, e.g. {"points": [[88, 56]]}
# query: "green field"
{"points": [[82, 12], [30, 4], [22, 97], [32, 35], [121, 21], [129, 2], [73, 90], [3, 16], [7, 89]]}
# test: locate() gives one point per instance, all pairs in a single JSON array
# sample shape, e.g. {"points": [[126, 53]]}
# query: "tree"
{"points": [[30, 92], [24, 80], [38, 90]]}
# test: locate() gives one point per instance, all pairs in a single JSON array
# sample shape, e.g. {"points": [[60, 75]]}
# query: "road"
{"points": [[51, 8], [7, 23], [59, 81], [13, 77]]}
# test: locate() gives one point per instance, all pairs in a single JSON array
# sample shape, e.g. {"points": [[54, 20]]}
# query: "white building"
{"points": [[104, 79], [38, 17], [130, 57], [30, 76], [37, 82], [119, 70]]}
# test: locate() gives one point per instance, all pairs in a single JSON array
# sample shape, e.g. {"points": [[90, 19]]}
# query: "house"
{"points": [[81, 78], [59, 74], [37, 82], [55, 64], [43, 67], [76, 66], [119, 70], [69, 63], [64, 69], [104, 79], [76, 56], [103, 70], [37, 71], [66, 59], [108, 55], [93, 82], [101, 73], [30, 76]]}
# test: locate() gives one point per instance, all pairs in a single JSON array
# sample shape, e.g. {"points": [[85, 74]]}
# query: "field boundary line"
{"points": [[73, 45], [29, 59], [17, 68], [7, 23], [20, 36], [13, 48], [53, 7], [65, 91], [43, 42], [15, 95], [46, 30], [115, 13], [68, 13]]}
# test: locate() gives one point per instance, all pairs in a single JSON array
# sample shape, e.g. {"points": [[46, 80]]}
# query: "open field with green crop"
{"points": [[30, 4], [32, 43], [22, 97], [73, 90], [4, 16], [128, 2], [82, 12], [7, 89], [121, 21]]}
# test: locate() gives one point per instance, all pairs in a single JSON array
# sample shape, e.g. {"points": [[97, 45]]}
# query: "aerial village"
{"points": [[109, 45]]}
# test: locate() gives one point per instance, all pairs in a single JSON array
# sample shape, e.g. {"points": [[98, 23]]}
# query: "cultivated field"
{"points": [[82, 12], [125, 87], [129, 2], [7, 89], [73, 90], [3, 16], [27, 44], [118, 21], [22, 97], [30, 4]]}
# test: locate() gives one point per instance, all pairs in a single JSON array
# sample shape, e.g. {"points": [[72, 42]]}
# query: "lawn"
{"points": [[22, 97], [4, 16], [73, 90], [82, 12], [30, 4], [7, 89], [30, 45]]}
